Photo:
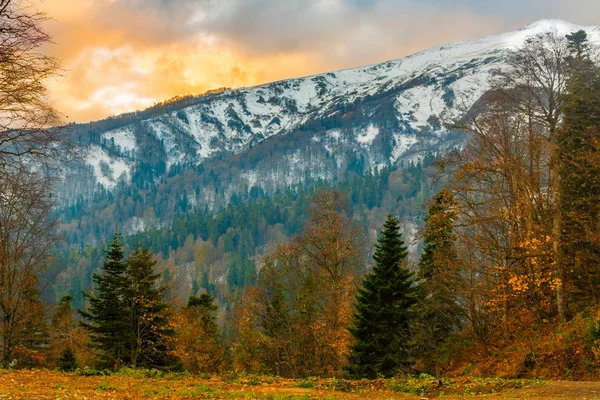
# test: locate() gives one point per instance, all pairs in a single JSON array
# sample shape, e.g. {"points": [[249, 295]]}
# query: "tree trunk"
{"points": [[556, 236]]}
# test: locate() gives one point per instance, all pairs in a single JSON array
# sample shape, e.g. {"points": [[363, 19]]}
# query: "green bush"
{"points": [[140, 373], [308, 383], [67, 361], [86, 371]]}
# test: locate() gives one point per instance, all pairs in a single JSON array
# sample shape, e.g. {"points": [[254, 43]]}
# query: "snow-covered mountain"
{"points": [[279, 134]]}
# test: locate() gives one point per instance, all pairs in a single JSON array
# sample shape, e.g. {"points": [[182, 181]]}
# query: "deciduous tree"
{"points": [[197, 342], [27, 120], [302, 304], [26, 241]]}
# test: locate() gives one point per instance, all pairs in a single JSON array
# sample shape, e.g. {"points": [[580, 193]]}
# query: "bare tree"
{"points": [[26, 239], [28, 122], [31, 147], [500, 181], [508, 176], [538, 81]]}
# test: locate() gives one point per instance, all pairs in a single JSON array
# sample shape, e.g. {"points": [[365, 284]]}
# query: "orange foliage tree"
{"points": [[297, 316], [197, 342]]}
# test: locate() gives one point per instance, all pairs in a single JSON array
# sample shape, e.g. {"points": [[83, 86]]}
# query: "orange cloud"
{"points": [[124, 55], [109, 69]]}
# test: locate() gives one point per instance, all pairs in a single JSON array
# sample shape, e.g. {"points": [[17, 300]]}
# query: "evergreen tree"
{"points": [[578, 44], [437, 311], [108, 314], [149, 329], [579, 151], [383, 310], [67, 360]]}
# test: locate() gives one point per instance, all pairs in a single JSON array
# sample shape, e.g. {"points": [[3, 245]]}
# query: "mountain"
{"points": [[144, 170]]}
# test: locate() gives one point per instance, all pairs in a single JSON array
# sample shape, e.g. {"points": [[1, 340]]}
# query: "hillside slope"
{"points": [[143, 170]]}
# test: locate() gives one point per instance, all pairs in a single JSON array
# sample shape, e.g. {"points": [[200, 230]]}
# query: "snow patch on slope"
{"points": [[123, 137], [367, 136], [108, 170], [402, 145], [431, 87]]}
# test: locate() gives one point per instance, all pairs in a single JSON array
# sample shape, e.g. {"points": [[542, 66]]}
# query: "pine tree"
{"points": [[579, 151], [578, 44], [108, 314], [149, 329], [437, 311], [67, 360], [383, 310]]}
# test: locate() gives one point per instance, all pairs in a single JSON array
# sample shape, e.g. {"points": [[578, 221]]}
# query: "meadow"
{"points": [[152, 384]]}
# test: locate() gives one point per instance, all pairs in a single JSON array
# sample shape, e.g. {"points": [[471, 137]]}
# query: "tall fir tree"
{"points": [[108, 314], [579, 151], [438, 312], [381, 325], [148, 342]]}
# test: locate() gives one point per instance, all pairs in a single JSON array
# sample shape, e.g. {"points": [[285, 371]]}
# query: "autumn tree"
{"points": [[26, 241], [197, 342], [500, 181], [536, 83], [30, 146], [438, 312], [525, 188], [301, 306], [507, 182], [331, 246], [381, 323]]}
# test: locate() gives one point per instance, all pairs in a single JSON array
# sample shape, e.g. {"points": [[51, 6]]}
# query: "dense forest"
{"points": [[221, 250]]}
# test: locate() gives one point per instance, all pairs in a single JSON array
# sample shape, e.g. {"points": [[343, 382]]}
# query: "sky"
{"points": [[126, 55]]}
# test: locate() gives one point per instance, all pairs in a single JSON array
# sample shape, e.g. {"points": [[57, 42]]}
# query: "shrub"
{"points": [[67, 361]]}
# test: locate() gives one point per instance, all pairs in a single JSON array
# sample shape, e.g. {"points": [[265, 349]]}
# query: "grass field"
{"points": [[42, 384]]}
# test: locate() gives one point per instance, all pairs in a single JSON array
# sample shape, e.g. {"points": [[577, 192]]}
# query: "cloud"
{"points": [[122, 55]]}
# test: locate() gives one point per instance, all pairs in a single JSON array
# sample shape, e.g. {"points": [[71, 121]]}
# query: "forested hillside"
{"points": [[219, 252]]}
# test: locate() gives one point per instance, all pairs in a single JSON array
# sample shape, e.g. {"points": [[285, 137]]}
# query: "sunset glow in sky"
{"points": [[124, 55]]}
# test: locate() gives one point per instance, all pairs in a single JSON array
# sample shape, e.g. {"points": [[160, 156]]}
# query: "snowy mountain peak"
{"points": [[554, 26], [558, 25], [384, 113]]}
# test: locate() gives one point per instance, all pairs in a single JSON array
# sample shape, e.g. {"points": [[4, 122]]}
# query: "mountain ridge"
{"points": [[387, 113], [530, 29]]}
